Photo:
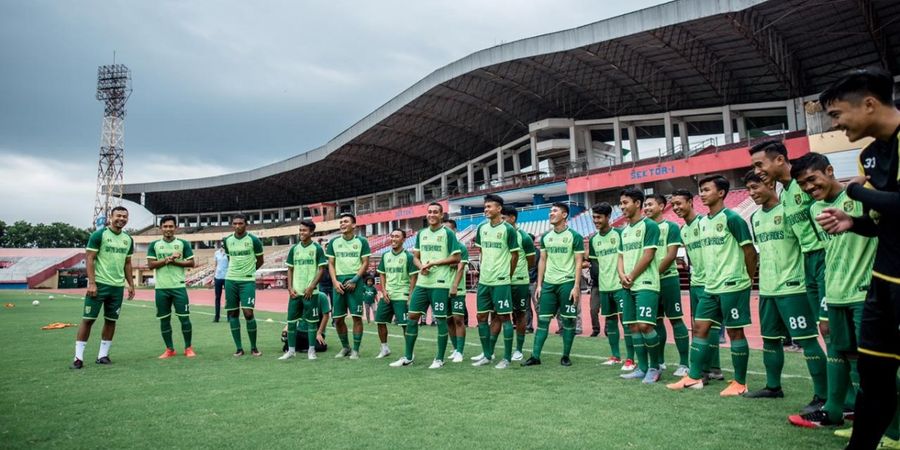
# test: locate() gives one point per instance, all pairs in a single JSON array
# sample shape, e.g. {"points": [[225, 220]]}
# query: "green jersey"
{"points": [[693, 245], [604, 250], [306, 260], [397, 269], [112, 249], [560, 250], [347, 254], [369, 294], [724, 234], [169, 276], [435, 245], [796, 213], [636, 238], [669, 236], [848, 256], [497, 242], [464, 258], [242, 253], [780, 259], [526, 249]]}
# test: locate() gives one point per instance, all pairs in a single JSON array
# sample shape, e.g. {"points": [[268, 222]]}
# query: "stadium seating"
{"points": [[32, 266]]}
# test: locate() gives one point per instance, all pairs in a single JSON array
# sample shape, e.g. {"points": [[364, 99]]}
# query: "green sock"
{"points": [[540, 336], [412, 332], [740, 357], [662, 336], [442, 338], [165, 327], [699, 350], [815, 363], [484, 335], [682, 341], [838, 370], [714, 360], [235, 325], [629, 342], [773, 360], [850, 398], [345, 342], [357, 340], [568, 336], [460, 343], [651, 341], [508, 332], [640, 350], [612, 333], [186, 330], [251, 332], [520, 341]]}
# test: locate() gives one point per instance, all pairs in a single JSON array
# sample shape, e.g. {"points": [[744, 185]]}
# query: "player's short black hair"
{"points": [[118, 208], [659, 198], [688, 195], [494, 198], [509, 211], [602, 208], [436, 204], [719, 181], [634, 194], [450, 221], [238, 216], [401, 230], [859, 83], [168, 218], [752, 177], [308, 224], [561, 206], [772, 149], [350, 215], [810, 161]]}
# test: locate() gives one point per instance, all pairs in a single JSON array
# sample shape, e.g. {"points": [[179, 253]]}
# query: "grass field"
{"points": [[219, 401]]}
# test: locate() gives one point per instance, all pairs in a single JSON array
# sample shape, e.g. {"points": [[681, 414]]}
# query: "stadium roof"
{"points": [[679, 55]]}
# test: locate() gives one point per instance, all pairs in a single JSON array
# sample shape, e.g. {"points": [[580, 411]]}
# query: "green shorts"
{"points": [[388, 310], [166, 298], [731, 309], [814, 268], [555, 299], [240, 294], [348, 301], [496, 299], [787, 315], [696, 293], [640, 307], [612, 303], [108, 297], [458, 305], [436, 298], [670, 298], [521, 295], [843, 323]]}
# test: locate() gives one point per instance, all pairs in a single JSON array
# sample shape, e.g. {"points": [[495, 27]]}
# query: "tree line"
{"points": [[22, 234]]}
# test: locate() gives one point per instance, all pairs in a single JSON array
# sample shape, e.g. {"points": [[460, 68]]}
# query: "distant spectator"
{"points": [[219, 277], [369, 294]]}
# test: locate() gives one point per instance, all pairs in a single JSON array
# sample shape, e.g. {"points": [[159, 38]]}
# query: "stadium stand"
{"points": [[34, 267]]}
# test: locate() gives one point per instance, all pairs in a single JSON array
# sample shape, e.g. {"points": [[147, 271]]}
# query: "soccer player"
{"points": [[457, 322], [499, 243], [369, 294], [603, 251], [669, 284], [783, 307], [168, 257], [348, 260], [559, 282], [315, 320], [848, 274], [305, 265], [245, 256], [397, 270], [639, 275], [861, 104], [728, 245], [436, 252], [108, 264], [520, 286], [683, 205]]}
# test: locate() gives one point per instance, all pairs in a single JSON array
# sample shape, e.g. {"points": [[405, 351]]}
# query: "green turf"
{"points": [[219, 401]]}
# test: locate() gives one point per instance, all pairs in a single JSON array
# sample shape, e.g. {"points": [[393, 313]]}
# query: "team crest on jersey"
{"points": [[777, 220], [439, 238], [612, 240], [424, 238], [355, 246], [696, 232], [637, 233], [720, 227], [756, 223], [798, 199], [499, 234], [565, 240], [848, 206]]}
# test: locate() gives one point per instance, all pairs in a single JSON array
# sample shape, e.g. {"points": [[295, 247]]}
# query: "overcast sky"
{"points": [[221, 86]]}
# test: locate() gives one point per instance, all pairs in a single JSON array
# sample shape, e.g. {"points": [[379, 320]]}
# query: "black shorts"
{"points": [[879, 333]]}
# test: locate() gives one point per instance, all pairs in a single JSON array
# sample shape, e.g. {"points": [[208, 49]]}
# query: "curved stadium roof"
{"points": [[679, 55]]}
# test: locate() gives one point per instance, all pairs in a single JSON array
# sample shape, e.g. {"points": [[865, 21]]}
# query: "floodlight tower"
{"points": [[113, 88]]}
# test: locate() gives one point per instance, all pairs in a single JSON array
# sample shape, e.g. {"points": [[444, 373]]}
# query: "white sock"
{"points": [[104, 349], [292, 350], [79, 349], [312, 350], [384, 346]]}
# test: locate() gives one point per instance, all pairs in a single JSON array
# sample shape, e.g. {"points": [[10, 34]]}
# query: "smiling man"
{"points": [[348, 260], [168, 257], [245, 257]]}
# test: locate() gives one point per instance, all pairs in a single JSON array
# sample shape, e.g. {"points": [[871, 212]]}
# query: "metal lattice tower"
{"points": [[113, 88]]}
